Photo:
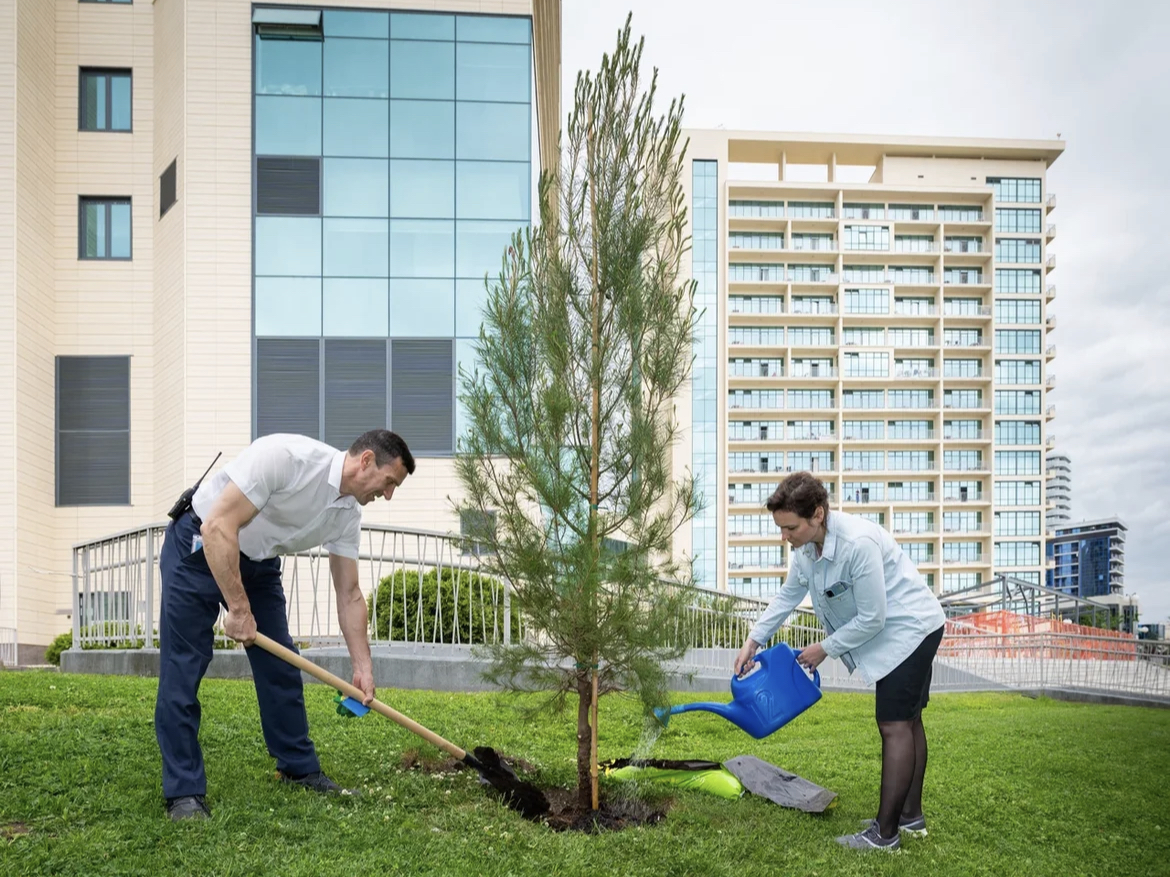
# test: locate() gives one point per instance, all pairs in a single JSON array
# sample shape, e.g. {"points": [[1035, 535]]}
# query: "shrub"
{"points": [[60, 644], [396, 615]]}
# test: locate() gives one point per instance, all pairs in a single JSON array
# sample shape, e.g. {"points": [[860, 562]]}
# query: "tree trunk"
{"points": [[584, 735]]}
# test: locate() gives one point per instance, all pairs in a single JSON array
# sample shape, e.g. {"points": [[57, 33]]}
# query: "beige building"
{"points": [[876, 310], [134, 142]]}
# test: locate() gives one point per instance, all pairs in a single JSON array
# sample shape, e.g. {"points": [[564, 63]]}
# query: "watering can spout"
{"points": [[730, 711]]}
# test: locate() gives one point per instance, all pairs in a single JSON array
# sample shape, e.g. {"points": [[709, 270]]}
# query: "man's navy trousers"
{"points": [[190, 606]]}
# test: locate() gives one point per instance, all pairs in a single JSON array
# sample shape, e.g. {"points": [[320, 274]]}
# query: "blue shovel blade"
{"points": [[355, 706]]}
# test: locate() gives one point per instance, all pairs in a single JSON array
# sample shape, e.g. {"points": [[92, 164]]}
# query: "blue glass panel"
{"points": [[493, 190], [485, 71], [355, 308], [120, 110], [287, 245], [288, 126], [493, 29], [356, 187], [421, 26], [422, 189], [372, 25], [422, 70], [422, 248], [357, 68], [288, 67], [494, 131], [288, 306], [356, 248], [94, 243], [422, 129], [470, 299], [95, 102], [480, 247], [357, 127], [119, 231], [422, 308]]}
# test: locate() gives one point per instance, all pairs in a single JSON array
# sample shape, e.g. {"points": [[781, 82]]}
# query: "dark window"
{"points": [[288, 186], [422, 395], [105, 103], [167, 191], [474, 527], [93, 430], [288, 386], [355, 389], [104, 228]]}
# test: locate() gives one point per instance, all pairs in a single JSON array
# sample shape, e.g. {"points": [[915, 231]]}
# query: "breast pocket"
{"points": [[840, 599]]}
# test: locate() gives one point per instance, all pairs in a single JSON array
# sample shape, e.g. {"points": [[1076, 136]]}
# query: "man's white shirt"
{"points": [[295, 482]]}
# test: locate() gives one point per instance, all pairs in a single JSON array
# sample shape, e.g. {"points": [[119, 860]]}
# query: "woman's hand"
{"points": [[743, 661], [811, 656]]}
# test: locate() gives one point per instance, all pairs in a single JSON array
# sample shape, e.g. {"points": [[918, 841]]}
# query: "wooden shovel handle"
{"points": [[356, 693]]}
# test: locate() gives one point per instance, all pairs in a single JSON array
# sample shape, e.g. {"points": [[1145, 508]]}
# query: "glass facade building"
{"points": [[392, 165], [705, 463], [1088, 559]]}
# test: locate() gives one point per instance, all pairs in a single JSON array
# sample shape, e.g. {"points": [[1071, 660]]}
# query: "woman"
{"points": [[882, 620]]}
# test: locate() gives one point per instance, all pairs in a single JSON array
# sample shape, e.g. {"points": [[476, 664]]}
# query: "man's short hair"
{"points": [[387, 447]]}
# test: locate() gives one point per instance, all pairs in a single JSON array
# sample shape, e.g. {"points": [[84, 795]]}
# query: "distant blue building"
{"points": [[1088, 559]]}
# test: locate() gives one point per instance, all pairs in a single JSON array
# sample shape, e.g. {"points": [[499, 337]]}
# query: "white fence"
{"points": [[431, 593]]}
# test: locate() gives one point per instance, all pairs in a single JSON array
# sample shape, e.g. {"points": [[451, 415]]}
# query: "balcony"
{"points": [[915, 373], [895, 496], [962, 216], [1050, 204], [965, 467], [813, 309], [1050, 442], [970, 496], [1051, 382], [968, 435], [974, 560], [1051, 263], [823, 371], [959, 342], [967, 311], [916, 310], [964, 278], [926, 247], [916, 436], [928, 531], [1050, 322], [1050, 232], [1050, 293], [963, 247], [812, 245], [903, 278], [1050, 353]]}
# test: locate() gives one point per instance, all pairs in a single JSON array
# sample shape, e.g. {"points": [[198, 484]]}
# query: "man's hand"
{"points": [[363, 678], [240, 625], [811, 656], [743, 661]]}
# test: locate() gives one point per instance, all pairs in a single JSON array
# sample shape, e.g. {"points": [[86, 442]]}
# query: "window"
{"points": [[1017, 401], [962, 338], [912, 211], [288, 186], [864, 491], [804, 430], [911, 429], [1017, 553], [755, 557], [755, 304], [961, 244], [754, 240], [1017, 311], [747, 272], [865, 461], [1017, 190], [904, 274], [755, 430], [963, 461], [1017, 493], [911, 491], [821, 242], [756, 368], [1011, 220], [810, 398], [1017, 523], [866, 364], [911, 398], [810, 273], [914, 368], [751, 493], [866, 237], [1017, 250], [962, 368], [751, 336], [864, 399], [920, 306], [918, 552], [962, 491], [962, 429], [911, 461], [810, 209], [93, 430], [912, 337], [914, 243], [167, 188], [1017, 463], [756, 209], [962, 522], [867, 301], [1017, 432], [813, 304], [474, 527], [962, 552], [105, 103], [963, 399], [963, 276], [808, 336], [963, 307], [866, 273], [104, 228], [863, 430], [755, 399], [1017, 280], [959, 581], [751, 461], [1017, 341], [863, 337], [960, 213], [913, 522], [864, 211]]}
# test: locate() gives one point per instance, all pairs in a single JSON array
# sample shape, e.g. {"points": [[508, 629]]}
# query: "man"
{"points": [[283, 494]]}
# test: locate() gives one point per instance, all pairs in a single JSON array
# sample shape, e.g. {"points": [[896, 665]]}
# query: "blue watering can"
{"points": [[766, 698]]}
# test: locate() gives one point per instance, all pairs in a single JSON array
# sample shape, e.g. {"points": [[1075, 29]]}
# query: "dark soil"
{"points": [[12, 829]]}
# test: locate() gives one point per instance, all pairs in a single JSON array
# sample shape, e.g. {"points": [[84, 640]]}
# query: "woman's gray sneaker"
{"points": [[871, 839]]}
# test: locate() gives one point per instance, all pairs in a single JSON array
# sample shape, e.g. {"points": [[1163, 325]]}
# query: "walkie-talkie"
{"points": [[183, 503]]}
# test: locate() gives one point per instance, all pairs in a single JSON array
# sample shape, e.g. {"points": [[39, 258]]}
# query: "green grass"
{"points": [[1016, 787]]}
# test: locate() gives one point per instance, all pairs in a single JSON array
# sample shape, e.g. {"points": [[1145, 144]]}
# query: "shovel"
{"points": [[522, 797]]}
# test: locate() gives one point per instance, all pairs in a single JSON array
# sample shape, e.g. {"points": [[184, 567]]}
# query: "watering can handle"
{"points": [[816, 677]]}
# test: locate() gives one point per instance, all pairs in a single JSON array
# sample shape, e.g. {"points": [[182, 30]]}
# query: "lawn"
{"points": [[1016, 787]]}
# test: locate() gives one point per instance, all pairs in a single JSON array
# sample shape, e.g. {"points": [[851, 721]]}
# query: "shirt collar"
{"points": [[335, 471], [829, 549]]}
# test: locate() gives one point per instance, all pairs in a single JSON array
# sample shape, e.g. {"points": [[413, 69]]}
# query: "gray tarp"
{"points": [[778, 785]]}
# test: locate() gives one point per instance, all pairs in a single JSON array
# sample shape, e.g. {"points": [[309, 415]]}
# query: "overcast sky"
{"points": [[1095, 72]]}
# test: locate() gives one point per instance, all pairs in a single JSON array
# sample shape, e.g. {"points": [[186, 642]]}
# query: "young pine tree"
{"points": [[586, 340]]}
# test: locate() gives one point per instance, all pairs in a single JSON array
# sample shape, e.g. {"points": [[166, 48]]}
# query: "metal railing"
{"points": [[7, 647]]}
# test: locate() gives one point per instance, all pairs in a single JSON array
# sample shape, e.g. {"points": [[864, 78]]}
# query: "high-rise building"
{"points": [[875, 310], [221, 219], [1087, 559], [1059, 471]]}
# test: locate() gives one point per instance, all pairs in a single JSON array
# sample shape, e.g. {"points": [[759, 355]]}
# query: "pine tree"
{"points": [[566, 458]]}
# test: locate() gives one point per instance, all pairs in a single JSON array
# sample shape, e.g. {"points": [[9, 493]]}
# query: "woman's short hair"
{"points": [[800, 493]]}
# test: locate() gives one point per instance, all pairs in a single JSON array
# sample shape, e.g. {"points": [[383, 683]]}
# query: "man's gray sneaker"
{"points": [[871, 839], [317, 782], [188, 807], [915, 827]]}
